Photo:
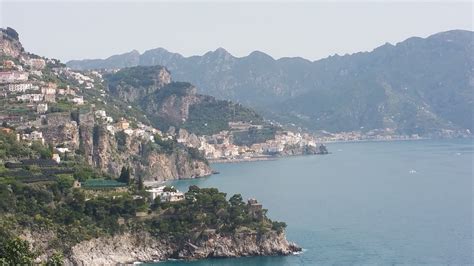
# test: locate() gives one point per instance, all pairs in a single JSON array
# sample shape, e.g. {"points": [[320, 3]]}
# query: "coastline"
{"points": [[373, 140], [241, 160], [274, 158], [393, 140]]}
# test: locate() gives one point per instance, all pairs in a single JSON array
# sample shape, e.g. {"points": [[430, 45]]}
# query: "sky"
{"points": [[77, 30]]}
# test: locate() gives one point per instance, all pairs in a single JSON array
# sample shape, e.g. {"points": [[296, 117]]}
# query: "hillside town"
{"points": [[221, 147]]}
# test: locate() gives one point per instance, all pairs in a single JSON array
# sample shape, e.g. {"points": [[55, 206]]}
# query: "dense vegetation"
{"points": [[10, 148], [212, 116], [72, 215], [207, 208], [135, 77]]}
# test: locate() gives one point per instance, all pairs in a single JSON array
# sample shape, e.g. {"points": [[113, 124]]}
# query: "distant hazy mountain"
{"points": [[416, 86]]}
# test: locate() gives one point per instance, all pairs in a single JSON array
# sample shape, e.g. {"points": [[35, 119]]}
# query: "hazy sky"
{"points": [[77, 30]]}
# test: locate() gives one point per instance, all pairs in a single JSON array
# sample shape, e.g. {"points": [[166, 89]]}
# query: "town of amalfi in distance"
{"points": [[158, 157]]}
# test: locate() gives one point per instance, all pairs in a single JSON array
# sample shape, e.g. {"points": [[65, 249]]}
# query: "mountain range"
{"points": [[417, 86]]}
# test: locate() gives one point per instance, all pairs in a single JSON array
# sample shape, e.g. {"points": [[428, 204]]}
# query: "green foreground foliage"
{"points": [[51, 204]]}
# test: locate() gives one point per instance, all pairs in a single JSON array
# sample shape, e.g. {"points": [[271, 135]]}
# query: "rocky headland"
{"points": [[129, 248]]}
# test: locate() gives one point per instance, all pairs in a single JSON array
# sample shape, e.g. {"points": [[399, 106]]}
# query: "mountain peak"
{"points": [[219, 53], [260, 55], [221, 50]]}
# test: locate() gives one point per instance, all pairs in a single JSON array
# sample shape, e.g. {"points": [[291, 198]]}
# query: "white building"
{"points": [[21, 87], [36, 63], [165, 196], [56, 158], [33, 136], [30, 97], [155, 192], [48, 90], [78, 100], [62, 150], [100, 113], [172, 196], [13, 76], [42, 108]]}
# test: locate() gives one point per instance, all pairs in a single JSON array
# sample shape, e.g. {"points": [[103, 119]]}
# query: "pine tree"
{"points": [[124, 175]]}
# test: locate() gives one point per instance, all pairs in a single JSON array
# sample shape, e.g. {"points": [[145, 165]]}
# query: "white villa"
{"points": [[165, 196]]}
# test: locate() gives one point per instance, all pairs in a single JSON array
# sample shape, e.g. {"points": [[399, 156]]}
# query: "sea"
{"points": [[365, 203]]}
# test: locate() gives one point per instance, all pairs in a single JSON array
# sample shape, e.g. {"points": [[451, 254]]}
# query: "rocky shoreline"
{"points": [[142, 247]]}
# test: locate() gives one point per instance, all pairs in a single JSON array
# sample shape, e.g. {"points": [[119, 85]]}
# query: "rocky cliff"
{"points": [[9, 43], [112, 152], [129, 248], [173, 103]]}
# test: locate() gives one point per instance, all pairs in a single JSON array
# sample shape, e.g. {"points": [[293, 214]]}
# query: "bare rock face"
{"points": [[108, 156], [190, 138], [176, 108], [86, 129], [239, 245], [128, 248], [59, 129], [177, 165], [9, 43]]}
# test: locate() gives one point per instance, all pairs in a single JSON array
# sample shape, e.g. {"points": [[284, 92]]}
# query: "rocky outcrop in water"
{"points": [[128, 248]]}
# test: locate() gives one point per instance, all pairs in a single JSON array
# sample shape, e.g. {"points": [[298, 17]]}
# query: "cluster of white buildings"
{"points": [[15, 84], [142, 131], [30, 97], [80, 78], [222, 146], [21, 87], [47, 94], [30, 137], [165, 196], [13, 76]]}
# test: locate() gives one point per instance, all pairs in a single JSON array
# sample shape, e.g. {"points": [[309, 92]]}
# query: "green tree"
{"points": [[55, 260], [169, 189], [17, 251], [124, 175], [156, 203], [236, 200], [140, 184]]}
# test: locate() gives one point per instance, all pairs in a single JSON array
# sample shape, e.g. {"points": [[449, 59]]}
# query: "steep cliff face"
{"points": [[60, 130], [177, 165], [173, 102], [110, 154], [128, 248], [86, 127]]}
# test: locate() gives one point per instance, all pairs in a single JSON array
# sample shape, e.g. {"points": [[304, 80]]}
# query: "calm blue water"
{"points": [[361, 204]]}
